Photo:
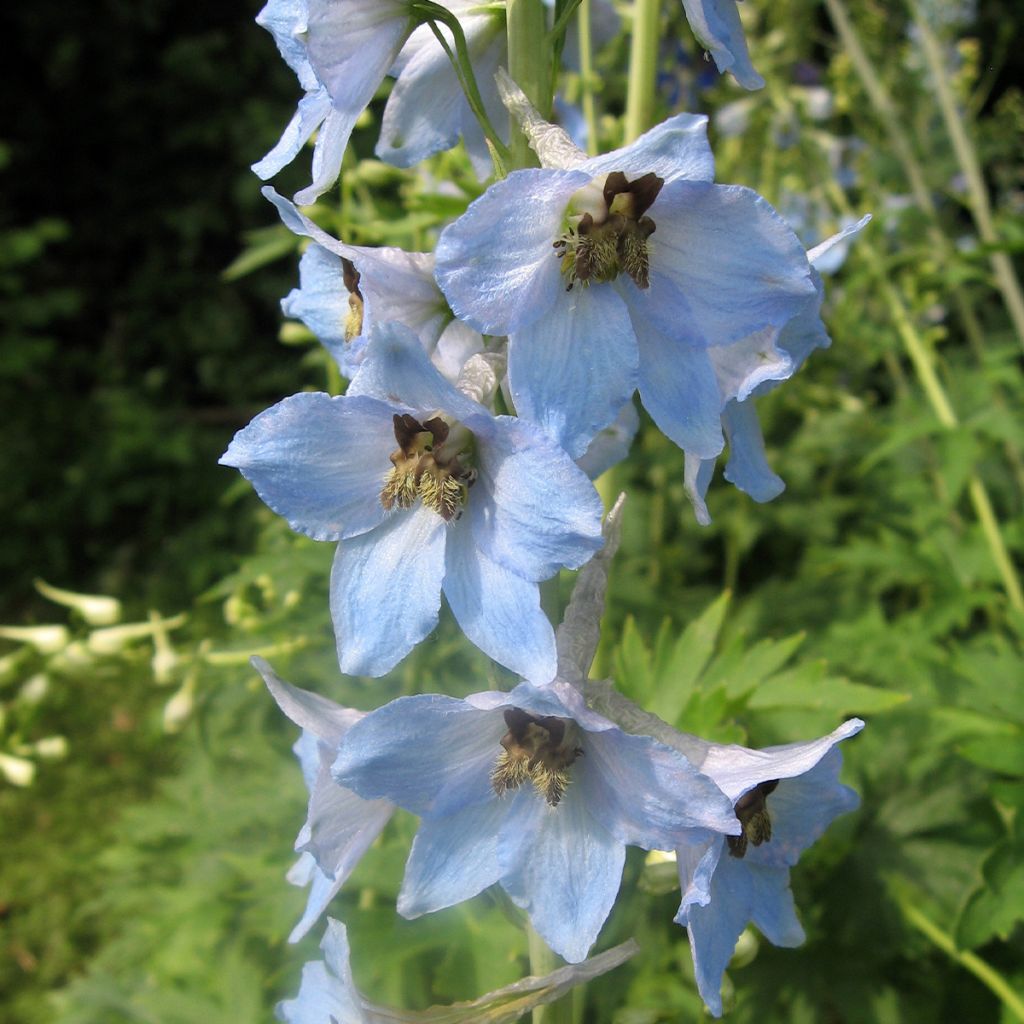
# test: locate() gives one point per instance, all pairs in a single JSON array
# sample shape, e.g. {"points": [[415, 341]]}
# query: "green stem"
{"points": [[981, 210], [643, 67], [587, 80], [544, 961], [463, 65], [986, 974], [924, 367], [559, 28], [529, 64]]}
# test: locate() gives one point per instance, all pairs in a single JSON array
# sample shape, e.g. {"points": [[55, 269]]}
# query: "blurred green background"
{"points": [[148, 798]]}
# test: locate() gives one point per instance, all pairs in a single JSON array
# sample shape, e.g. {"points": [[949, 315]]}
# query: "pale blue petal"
{"points": [[746, 364], [676, 148], [740, 892], [452, 859], [313, 108], [285, 20], [498, 610], [572, 370], [748, 467], [612, 444], [319, 462], [496, 263], [457, 343], [532, 509], [319, 716], [646, 794], [697, 474], [423, 753], [738, 264], [322, 889], [821, 250], [397, 369], [805, 332], [328, 991], [716, 24], [321, 303], [801, 808], [307, 749], [736, 769], [679, 389], [386, 590], [567, 876], [328, 153], [696, 863]]}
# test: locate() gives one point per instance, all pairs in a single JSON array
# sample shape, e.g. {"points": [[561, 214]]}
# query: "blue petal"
{"points": [[746, 364], [318, 461], [532, 509], [740, 892], [567, 876], [697, 474], [646, 794], [736, 262], [747, 467], [716, 24], [396, 369], [452, 859], [328, 991], [322, 889], [498, 610], [822, 249], [495, 263], [285, 20], [572, 371], [386, 590], [328, 153], [611, 445], [321, 303], [322, 717], [801, 808], [313, 108], [427, 754], [679, 389], [676, 148]]}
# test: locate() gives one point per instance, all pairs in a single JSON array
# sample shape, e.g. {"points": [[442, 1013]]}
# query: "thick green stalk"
{"points": [[986, 974], [529, 64], [587, 80], [981, 210], [643, 68]]}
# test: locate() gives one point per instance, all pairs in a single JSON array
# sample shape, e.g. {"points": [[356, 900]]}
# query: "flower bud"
{"points": [[96, 609], [17, 770], [45, 639]]}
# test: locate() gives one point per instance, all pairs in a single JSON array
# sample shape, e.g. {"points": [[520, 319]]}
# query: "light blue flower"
{"points": [[716, 24], [427, 110], [340, 826], [530, 789], [653, 266], [340, 50], [345, 288], [750, 368], [426, 490], [328, 993], [785, 798]]}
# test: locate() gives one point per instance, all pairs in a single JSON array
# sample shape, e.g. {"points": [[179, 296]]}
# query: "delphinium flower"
{"points": [[426, 490], [530, 789], [328, 993], [619, 272], [751, 368], [785, 798], [717, 26], [340, 826], [345, 288]]}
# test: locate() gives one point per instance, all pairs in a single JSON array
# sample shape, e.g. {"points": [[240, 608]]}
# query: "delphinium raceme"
{"points": [[490, 381]]}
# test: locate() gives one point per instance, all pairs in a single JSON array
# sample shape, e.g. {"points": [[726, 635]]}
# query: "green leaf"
{"points": [[809, 686]]}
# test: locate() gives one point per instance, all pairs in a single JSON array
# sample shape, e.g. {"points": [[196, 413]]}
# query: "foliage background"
{"points": [[141, 877]]}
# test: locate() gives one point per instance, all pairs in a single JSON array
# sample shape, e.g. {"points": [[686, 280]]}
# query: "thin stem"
{"points": [[529, 64], [986, 974], [587, 80], [981, 210], [559, 27], [463, 66], [924, 367], [643, 68], [543, 961]]}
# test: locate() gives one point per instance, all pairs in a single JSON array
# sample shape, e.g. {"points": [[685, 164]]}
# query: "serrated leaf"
{"points": [[1003, 754], [808, 686]]}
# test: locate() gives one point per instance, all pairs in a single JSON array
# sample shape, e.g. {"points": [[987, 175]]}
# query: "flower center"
{"points": [[538, 749], [429, 464], [354, 317], [752, 810], [614, 241]]}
